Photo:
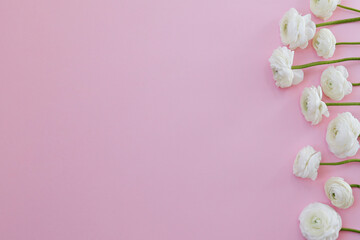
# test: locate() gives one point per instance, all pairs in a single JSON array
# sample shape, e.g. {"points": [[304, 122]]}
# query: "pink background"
{"points": [[157, 120]]}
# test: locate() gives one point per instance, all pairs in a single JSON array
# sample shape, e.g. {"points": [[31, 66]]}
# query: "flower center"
{"points": [[316, 44], [316, 222], [305, 105], [285, 26], [330, 86], [335, 131]]}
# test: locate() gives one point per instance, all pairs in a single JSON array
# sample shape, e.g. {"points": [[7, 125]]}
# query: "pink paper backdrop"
{"points": [[157, 120]]}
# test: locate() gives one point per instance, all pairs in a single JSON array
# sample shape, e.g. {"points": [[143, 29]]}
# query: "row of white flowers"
{"points": [[319, 221], [333, 80]]}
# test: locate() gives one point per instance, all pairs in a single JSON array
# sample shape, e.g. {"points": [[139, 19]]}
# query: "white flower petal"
{"points": [[280, 62], [342, 135], [307, 163], [296, 30], [339, 192], [334, 82], [320, 222], [323, 8], [312, 107], [298, 76], [324, 43]]}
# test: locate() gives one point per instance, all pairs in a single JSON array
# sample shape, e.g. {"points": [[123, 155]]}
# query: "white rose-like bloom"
{"points": [[339, 192], [334, 82], [323, 8], [296, 30], [320, 222], [324, 43], [280, 62], [342, 135], [307, 163], [311, 105]]}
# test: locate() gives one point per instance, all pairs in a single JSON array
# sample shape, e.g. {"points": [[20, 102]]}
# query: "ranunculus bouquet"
{"points": [[319, 221]]}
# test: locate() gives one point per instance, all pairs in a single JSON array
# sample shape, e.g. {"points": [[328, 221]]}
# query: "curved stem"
{"points": [[350, 230], [338, 22], [347, 43], [355, 185], [340, 163], [343, 104], [349, 8], [355, 84], [324, 62]]}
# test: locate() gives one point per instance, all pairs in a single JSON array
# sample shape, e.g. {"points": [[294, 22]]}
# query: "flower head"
{"points": [[320, 222], [307, 163], [334, 82], [280, 62], [323, 8], [311, 105], [339, 192], [296, 30], [324, 43], [342, 134]]}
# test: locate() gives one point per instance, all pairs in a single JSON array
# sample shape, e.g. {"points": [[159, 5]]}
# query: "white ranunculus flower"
{"points": [[281, 61], [334, 82], [296, 30], [307, 163], [342, 135], [320, 222], [323, 8], [339, 192], [311, 105], [324, 43]]}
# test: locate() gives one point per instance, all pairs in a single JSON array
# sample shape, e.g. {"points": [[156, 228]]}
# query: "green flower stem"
{"points": [[350, 230], [324, 62], [355, 185], [348, 20], [347, 43], [340, 163], [349, 8], [343, 104], [356, 84]]}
